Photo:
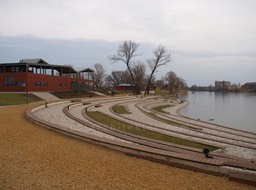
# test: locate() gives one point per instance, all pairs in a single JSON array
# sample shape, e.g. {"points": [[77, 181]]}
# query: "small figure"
{"points": [[206, 152], [46, 104]]}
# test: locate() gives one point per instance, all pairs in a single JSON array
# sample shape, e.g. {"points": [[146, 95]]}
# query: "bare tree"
{"points": [[172, 81], [125, 53], [160, 57], [175, 83], [139, 72], [182, 83], [114, 78], [118, 77], [99, 75]]}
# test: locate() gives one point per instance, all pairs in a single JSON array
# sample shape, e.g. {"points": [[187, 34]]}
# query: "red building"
{"points": [[37, 75], [124, 87]]}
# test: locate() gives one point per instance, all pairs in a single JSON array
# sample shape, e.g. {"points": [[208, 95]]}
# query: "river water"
{"points": [[236, 110]]}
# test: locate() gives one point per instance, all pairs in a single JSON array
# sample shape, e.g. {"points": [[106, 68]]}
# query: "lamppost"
{"points": [[26, 83]]}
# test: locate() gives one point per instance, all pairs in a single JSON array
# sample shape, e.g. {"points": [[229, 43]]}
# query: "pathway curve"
{"points": [[70, 115], [55, 115], [234, 144]]}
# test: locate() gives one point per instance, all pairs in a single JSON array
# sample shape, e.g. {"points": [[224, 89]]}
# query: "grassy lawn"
{"points": [[160, 108], [73, 94], [116, 124], [177, 124], [120, 109], [15, 99]]}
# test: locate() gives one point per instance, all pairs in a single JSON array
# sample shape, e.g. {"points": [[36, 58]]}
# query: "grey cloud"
{"points": [[196, 67]]}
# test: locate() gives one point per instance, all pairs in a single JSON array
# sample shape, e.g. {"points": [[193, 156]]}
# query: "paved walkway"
{"points": [[231, 142], [235, 145], [55, 115]]}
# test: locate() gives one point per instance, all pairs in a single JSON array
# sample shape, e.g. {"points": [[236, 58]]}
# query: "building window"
{"points": [[74, 85], [16, 69], [20, 84], [62, 85], [9, 81], [41, 84]]}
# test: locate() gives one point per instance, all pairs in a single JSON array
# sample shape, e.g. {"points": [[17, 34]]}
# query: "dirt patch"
{"points": [[32, 157]]}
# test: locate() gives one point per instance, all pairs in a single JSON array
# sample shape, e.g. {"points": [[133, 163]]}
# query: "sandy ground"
{"points": [[32, 157]]}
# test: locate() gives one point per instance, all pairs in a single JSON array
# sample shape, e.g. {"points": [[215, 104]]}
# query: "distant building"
{"points": [[249, 86], [124, 87], [222, 85], [37, 75]]}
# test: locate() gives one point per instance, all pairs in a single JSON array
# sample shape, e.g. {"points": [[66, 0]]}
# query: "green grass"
{"points": [[120, 109], [73, 94], [16, 99], [160, 108], [177, 124], [116, 124]]}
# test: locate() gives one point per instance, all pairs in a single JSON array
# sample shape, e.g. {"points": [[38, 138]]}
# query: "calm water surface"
{"points": [[237, 110]]}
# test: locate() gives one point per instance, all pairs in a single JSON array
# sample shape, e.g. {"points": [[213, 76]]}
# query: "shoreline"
{"points": [[181, 107], [176, 108]]}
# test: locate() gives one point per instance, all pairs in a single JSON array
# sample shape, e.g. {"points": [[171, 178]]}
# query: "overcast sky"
{"points": [[208, 39]]}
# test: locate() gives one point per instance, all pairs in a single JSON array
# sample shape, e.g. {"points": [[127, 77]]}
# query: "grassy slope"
{"points": [[120, 109], [143, 132], [16, 99], [160, 108]]}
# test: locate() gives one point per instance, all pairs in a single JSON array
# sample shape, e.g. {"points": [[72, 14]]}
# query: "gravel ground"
{"points": [[32, 157]]}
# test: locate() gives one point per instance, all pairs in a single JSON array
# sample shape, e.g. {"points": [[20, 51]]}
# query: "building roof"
{"points": [[251, 83], [34, 61], [40, 63], [88, 70], [124, 85]]}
